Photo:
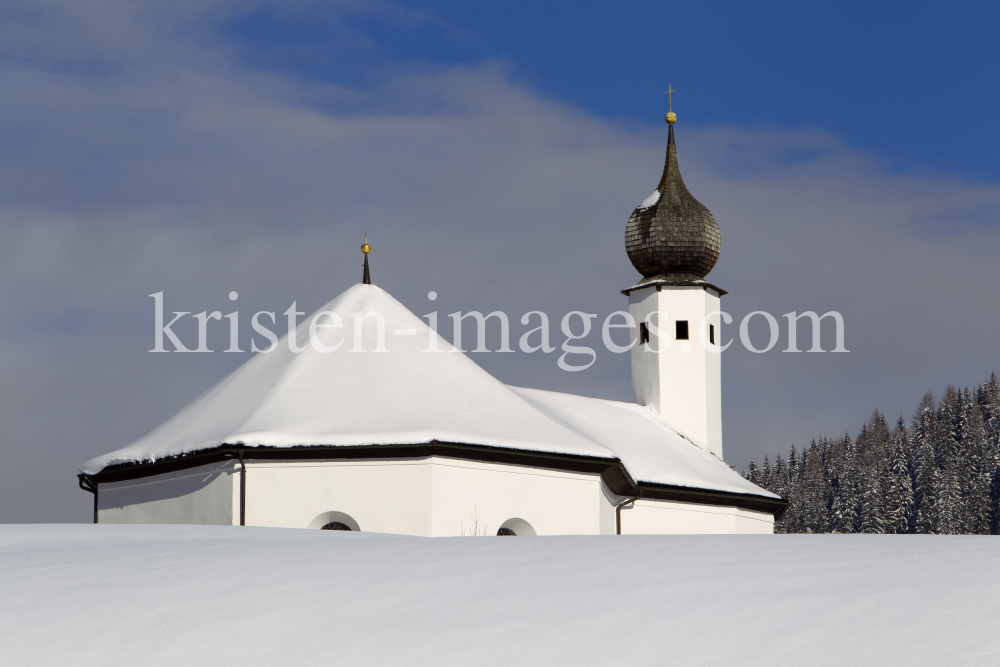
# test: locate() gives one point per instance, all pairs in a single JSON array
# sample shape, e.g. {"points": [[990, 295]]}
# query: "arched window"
{"points": [[336, 525], [516, 527], [334, 521]]}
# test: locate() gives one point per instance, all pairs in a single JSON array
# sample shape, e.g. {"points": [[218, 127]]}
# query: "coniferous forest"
{"points": [[939, 474]]}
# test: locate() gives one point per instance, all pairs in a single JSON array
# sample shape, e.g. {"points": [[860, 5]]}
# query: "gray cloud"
{"points": [[139, 156]]}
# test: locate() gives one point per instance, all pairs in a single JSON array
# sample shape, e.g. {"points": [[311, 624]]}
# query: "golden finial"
{"points": [[366, 248], [671, 117]]}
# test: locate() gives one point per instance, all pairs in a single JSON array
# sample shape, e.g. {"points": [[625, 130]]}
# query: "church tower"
{"points": [[674, 241]]}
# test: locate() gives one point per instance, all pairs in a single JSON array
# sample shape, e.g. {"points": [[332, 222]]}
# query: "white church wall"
{"points": [[659, 517], [381, 496], [431, 497], [683, 380], [202, 495], [553, 502]]}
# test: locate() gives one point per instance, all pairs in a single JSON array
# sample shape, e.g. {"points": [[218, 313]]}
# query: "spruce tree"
{"points": [[872, 511], [809, 495], [779, 487], [899, 491], [995, 502], [988, 398], [949, 437], [840, 519], [948, 501], [926, 475], [977, 470], [851, 485]]}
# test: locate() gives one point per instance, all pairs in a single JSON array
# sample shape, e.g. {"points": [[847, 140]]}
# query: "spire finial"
{"points": [[671, 117], [365, 248]]}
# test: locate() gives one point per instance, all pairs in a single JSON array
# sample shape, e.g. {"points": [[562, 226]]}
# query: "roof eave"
{"points": [[685, 494], [667, 282], [612, 471]]}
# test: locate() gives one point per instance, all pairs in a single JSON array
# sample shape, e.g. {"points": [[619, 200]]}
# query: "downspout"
{"points": [[618, 511], [89, 486], [243, 491]]}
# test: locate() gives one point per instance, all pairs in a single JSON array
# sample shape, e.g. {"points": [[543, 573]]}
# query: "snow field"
{"points": [[199, 595]]}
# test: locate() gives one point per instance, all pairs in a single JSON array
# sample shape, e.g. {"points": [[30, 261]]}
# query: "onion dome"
{"points": [[672, 235]]}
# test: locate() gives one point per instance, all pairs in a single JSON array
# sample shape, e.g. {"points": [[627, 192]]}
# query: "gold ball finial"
{"points": [[366, 248], [671, 117]]}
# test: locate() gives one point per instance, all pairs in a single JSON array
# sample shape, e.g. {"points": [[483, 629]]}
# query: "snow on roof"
{"points": [[224, 595], [404, 395], [407, 395], [651, 449]]}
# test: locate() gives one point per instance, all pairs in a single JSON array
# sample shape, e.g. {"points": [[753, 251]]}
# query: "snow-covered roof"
{"points": [[651, 449], [408, 395]]}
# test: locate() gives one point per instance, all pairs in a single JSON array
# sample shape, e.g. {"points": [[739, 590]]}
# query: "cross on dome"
{"points": [[671, 117]]}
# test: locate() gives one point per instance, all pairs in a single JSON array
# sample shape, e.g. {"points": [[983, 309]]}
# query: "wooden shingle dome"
{"points": [[671, 234]]}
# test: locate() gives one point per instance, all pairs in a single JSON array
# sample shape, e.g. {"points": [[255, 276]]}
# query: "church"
{"points": [[381, 425]]}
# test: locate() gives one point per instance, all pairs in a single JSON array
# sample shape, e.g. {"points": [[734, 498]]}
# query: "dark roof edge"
{"points": [[612, 471], [687, 494], [666, 282], [571, 462]]}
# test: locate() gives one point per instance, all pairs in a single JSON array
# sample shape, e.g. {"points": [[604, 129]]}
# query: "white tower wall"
{"points": [[680, 379]]}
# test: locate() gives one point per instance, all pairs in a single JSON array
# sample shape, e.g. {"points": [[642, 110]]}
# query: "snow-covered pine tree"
{"points": [[926, 473], [780, 477], [948, 502], [810, 493], [796, 503], [977, 470], [851, 485], [995, 502], [951, 460], [862, 446], [838, 507], [779, 486], [950, 432], [872, 512], [898, 488], [840, 519], [753, 473], [827, 453], [988, 397], [876, 464]]}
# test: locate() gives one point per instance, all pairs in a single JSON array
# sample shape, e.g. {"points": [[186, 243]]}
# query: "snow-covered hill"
{"points": [[196, 595]]}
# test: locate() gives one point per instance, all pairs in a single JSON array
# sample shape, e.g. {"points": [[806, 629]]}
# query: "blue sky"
{"points": [[493, 155], [912, 83]]}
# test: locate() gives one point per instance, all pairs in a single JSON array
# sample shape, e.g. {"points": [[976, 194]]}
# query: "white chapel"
{"points": [[366, 420]]}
